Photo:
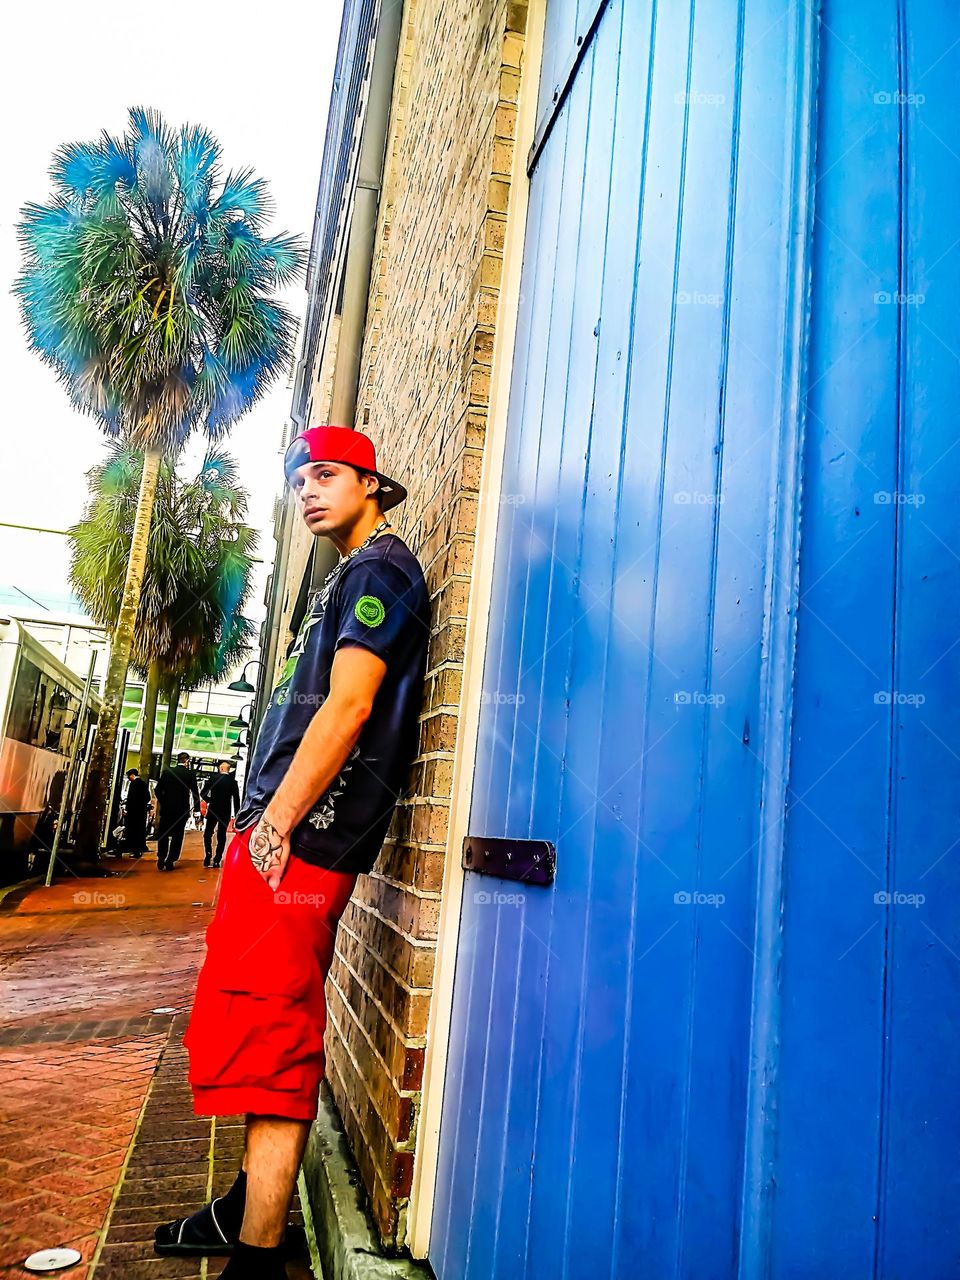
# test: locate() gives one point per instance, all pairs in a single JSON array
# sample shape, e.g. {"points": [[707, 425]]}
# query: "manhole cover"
{"points": [[164, 1008], [52, 1259]]}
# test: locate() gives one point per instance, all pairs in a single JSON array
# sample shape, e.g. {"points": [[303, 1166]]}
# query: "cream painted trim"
{"points": [[420, 1215]]}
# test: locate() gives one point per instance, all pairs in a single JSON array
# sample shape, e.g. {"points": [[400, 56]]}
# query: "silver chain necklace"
{"points": [[366, 542], [327, 584]]}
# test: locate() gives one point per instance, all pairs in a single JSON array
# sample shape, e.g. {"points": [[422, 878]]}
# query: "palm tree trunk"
{"points": [[171, 730], [150, 699], [96, 789]]}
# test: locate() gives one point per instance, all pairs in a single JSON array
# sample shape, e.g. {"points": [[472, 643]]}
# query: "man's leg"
{"points": [[275, 1149], [209, 824], [232, 1071], [176, 840], [217, 1227], [221, 842], [163, 843]]}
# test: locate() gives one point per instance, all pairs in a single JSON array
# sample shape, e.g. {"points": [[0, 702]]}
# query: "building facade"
{"points": [[651, 307]]}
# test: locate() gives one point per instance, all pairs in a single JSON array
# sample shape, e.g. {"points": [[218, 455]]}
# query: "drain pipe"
{"points": [[358, 264], [363, 223]]}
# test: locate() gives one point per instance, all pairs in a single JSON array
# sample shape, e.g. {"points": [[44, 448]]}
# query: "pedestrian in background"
{"points": [[135, 810], [176, 788], [223, 800]]}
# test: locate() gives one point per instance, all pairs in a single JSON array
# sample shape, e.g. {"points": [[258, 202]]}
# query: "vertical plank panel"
{"points": [[672, 589], [919, 1191], [550, 666], [461, 1118], [490, 978], [836, 861]]}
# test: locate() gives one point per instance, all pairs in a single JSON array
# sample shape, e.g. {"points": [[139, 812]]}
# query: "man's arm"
{"points": [[355, 677]]}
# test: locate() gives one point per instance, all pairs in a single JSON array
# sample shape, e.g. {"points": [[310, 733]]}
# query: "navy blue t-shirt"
{"points": [[378, 599]]}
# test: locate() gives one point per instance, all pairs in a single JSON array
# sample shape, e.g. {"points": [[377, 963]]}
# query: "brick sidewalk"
{"points": [[100, 1141]]}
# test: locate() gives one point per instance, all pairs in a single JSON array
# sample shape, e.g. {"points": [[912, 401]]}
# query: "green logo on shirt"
{"points": [[370, 611]]}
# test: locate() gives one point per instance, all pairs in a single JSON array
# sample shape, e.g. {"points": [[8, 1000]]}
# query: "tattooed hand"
{"points": [[269, 851]]}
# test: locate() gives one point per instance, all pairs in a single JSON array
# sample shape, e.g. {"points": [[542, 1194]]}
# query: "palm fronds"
{"points": [[149, 285], [199, 563]]}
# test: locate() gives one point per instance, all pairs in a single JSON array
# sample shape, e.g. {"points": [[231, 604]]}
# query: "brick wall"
{"points": [[423, 398]]}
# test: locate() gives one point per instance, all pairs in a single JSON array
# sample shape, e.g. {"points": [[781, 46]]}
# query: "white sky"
{"points": [[258, 77]]}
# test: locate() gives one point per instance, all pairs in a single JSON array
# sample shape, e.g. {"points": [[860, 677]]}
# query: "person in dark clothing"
{"points": [[135, 810], [174, 790], [223, 800]]}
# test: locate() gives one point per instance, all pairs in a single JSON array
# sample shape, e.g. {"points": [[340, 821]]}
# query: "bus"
{"points": [[40, 702]]}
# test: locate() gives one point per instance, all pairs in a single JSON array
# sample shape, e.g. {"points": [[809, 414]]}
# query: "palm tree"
{"points": [[149, 285], [210, 634], [190, 626]]}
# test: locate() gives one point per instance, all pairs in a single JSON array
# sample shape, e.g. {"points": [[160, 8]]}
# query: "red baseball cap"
{"points": [[341, 444]]}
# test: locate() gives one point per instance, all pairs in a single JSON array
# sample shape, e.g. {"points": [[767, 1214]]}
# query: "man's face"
{"points": [[224, 767], [332, 496]]}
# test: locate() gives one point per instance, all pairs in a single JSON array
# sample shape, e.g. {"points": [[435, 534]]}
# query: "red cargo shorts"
{"points": [[255, 1035]]}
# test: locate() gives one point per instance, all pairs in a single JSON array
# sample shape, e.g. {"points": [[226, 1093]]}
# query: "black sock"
{"points": [[229, 1208], [255, 1262]]}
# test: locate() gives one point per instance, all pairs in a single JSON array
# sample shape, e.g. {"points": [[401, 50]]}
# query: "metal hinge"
{"points": [[532, 861]]}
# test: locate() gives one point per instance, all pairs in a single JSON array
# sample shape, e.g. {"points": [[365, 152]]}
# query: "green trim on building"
{"points": [[197, 732]]}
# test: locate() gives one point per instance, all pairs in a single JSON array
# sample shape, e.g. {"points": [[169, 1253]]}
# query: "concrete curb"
{"points": [[347, 1242]]}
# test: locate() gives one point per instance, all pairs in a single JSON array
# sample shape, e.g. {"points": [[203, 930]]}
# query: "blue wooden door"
{"points": [[617, 1037]]}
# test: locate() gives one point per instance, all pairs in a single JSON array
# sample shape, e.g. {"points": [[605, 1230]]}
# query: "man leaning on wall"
{"points": [[331, 758]]}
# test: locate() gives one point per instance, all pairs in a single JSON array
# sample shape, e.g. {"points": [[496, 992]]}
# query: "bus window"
{"points": [[41, 711], [26, 691]]}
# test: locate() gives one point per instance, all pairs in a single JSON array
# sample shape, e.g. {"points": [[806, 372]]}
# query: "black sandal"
{"points": [[202, 1234], [199, 1234]]}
